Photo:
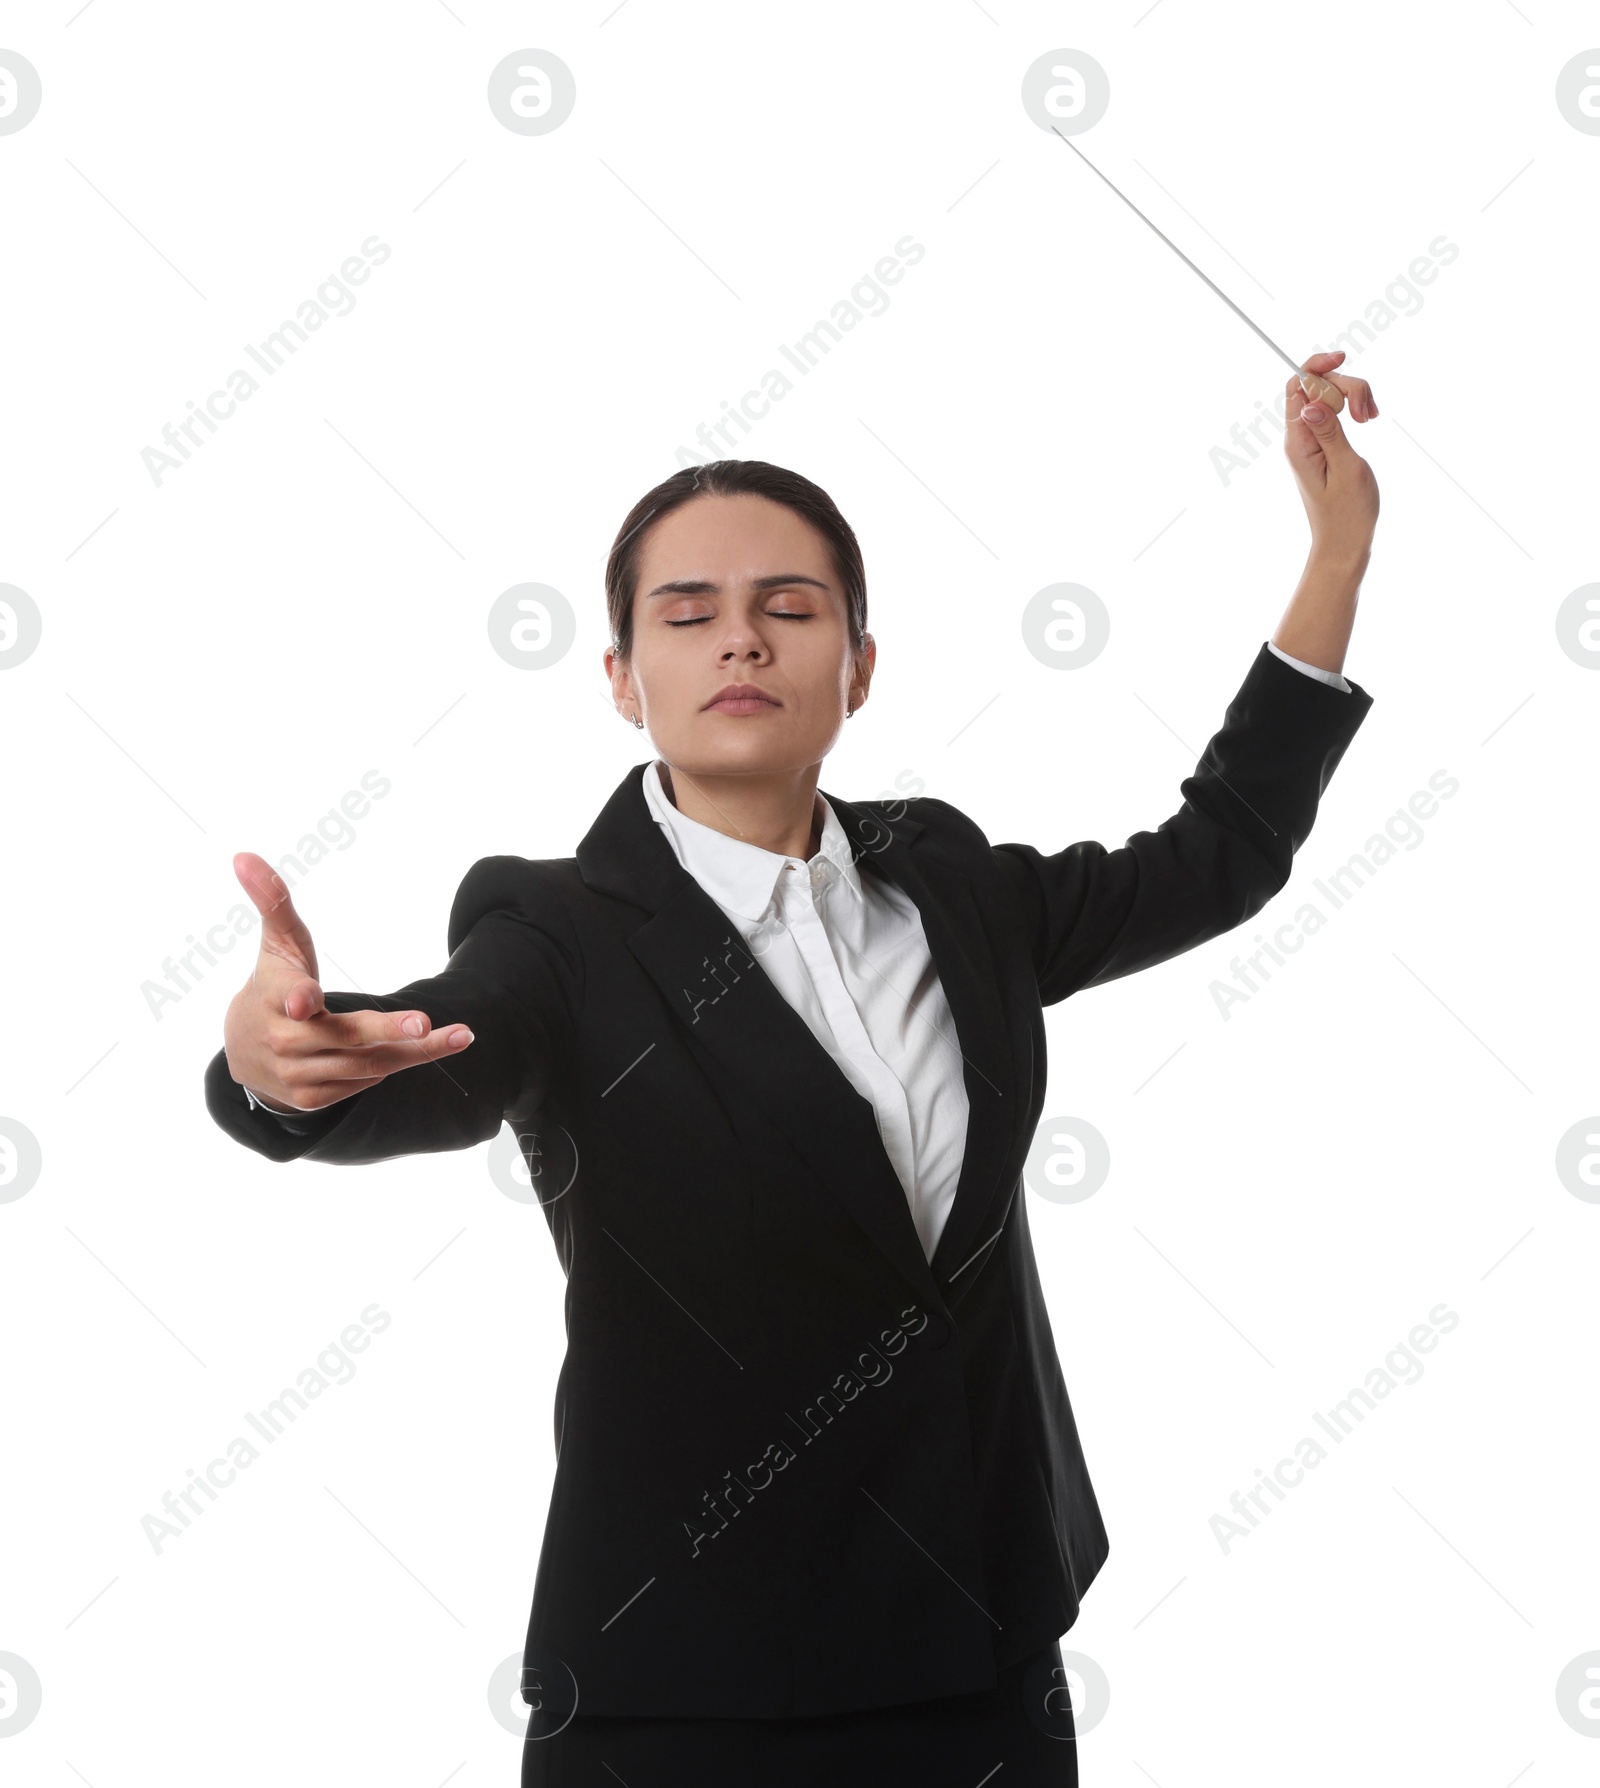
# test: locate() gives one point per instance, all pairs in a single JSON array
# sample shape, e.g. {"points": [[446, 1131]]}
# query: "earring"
{"points": [[637, 721]]}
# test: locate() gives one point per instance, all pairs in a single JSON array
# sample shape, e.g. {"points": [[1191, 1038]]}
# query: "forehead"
{"points": [[732, 540]]}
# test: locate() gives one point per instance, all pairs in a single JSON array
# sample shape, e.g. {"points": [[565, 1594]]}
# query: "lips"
{"points": [[742, 698]]}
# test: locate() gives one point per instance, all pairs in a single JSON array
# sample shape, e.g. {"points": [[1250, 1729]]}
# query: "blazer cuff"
{"points": [[261, 1105], [1298, 729], [281, 1136], [1331, 678]]}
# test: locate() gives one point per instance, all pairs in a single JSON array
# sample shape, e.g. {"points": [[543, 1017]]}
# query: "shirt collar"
{"points": [[743, 878]]}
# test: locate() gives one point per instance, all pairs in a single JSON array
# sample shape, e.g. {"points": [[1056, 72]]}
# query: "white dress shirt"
{"points": [[849, 954]]}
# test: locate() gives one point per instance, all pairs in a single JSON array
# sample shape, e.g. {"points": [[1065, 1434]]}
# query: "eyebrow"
{"points": [[699, 586]]}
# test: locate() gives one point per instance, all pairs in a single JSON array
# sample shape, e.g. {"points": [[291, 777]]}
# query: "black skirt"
{"points": [[1024, 1724]]}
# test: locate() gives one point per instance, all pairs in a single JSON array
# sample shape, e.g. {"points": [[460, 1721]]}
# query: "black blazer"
{"points": [[799, 1469]]}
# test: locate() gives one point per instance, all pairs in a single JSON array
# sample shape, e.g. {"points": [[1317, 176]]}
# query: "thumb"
{"points": [[1324, 424], [283, 931]]}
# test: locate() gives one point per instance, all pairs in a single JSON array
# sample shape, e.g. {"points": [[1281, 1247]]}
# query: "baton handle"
{"points": [[1323, 391]]}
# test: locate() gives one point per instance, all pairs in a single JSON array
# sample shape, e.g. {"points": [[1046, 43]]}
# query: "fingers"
{"points": [[329, 1073], [1298, 441], [1362, 404], [309, 1062], [1311, 428], [316, 1098], [407, 1036], [1316, 388], [303, 999]]}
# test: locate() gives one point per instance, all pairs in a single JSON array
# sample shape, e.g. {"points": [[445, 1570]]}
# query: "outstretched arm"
{"points": [[346, 1080]]}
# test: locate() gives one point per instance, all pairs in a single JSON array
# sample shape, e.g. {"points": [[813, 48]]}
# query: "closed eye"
{"points": [[781, 614]]}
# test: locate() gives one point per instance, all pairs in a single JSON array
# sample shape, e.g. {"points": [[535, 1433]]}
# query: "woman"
{"points": [[820, 1510]]}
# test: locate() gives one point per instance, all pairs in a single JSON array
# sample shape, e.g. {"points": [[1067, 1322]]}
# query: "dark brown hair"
{"points": [[727, 478]]}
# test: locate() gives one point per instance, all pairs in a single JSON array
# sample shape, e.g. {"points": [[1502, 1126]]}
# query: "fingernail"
{"points": [[461, 1037], [1313, 413], [412, 1026]]}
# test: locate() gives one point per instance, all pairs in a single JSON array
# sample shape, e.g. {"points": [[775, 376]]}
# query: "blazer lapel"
{"points": [[968, 973], [730, 1009]]}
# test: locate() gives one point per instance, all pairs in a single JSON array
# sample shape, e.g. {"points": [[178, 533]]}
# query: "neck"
{"points": [[777, 812]]}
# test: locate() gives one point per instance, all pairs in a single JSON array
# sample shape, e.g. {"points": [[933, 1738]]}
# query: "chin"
{"points": [[718, 751]]}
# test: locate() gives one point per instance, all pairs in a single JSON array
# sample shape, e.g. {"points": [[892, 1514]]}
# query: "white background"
{"points": [[224, 655]]}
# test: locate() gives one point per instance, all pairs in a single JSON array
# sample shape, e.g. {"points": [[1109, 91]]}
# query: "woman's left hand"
{"points": [[1336, 483]]}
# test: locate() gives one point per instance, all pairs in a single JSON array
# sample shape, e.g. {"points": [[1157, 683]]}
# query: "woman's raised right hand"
{"points": [[281, 1040]]}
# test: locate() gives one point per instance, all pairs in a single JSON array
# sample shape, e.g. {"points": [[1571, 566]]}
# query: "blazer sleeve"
{"points": [[513, 977], [1093, 914]]}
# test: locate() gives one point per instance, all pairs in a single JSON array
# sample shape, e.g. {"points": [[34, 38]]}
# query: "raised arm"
{"points": [[345, 1079], [1093, 914]]}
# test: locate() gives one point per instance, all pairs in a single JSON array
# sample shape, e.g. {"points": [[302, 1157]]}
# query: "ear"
{"points": [[861, 679]]}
